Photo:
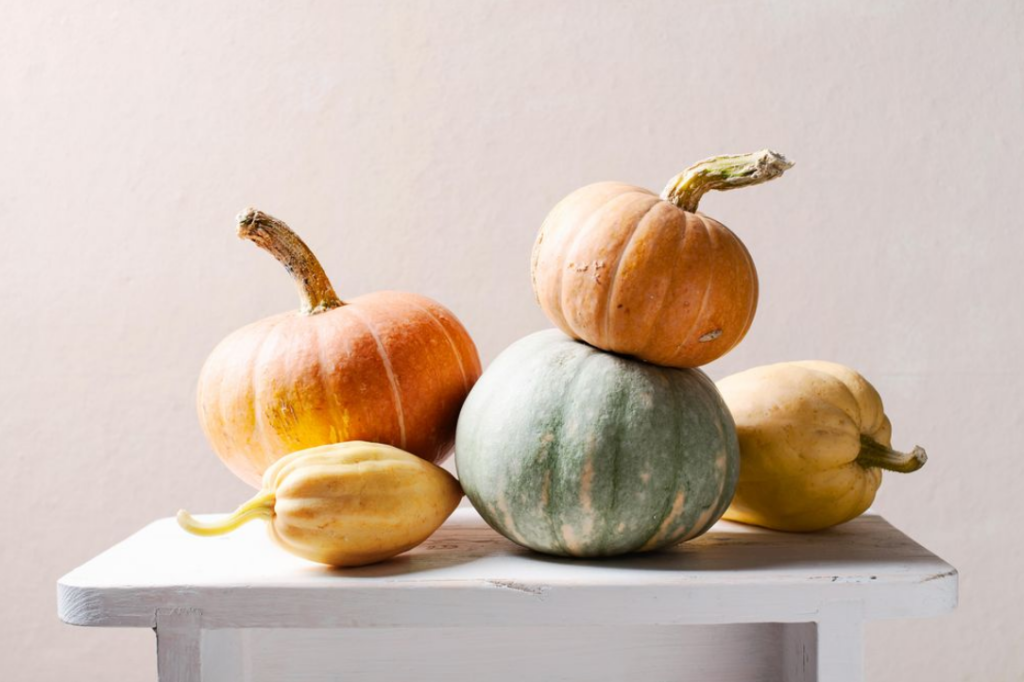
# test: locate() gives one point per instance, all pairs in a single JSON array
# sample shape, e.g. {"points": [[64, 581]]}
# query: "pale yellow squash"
{"points": [[814, 439], [346, 504]]}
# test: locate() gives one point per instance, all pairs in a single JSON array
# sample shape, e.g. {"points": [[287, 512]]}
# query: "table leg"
{"points": [[841, 642], [800, 652], [828, 650], [178, 645]]}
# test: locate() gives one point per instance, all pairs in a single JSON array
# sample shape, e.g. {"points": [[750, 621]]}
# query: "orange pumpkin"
{"points": [[387, 367], [633, 273]]}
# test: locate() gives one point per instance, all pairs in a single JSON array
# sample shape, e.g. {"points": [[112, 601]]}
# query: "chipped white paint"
{"points": [[802, 600]]}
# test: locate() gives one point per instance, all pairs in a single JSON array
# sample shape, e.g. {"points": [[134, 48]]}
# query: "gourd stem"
{"points": [[874, 454], [275, 237], [259, 507], [723, 173]]}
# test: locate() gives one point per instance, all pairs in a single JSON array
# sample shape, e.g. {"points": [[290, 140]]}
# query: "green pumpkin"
{"points": [[573, 451]]}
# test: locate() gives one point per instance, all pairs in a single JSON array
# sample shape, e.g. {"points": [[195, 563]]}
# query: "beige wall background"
{"points": [[418, 146]]}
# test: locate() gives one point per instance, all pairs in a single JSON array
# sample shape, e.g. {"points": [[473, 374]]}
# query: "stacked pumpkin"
{"points": [[605, 438]]}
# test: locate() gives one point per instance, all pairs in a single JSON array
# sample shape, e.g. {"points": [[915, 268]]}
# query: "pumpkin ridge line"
{"points": [[451, 343], [390, 371], [666, 295], [621, 400], [707, 286], [613, 274], [723, 502], [325, 379], [570, 388], [651, 542], [752, 306], [588, 226], [221, 421], [858, 419], [255, 387], [715, 507], [553, 294]]}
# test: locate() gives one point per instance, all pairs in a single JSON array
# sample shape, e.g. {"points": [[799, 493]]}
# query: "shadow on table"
{"points": [[734, 548], [409, 563], [728, 548]]}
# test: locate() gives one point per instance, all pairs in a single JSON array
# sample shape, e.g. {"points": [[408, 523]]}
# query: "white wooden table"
{"points": [[739, 604]]}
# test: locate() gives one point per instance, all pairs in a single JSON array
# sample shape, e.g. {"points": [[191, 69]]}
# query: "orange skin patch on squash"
{"points": [[387, 367]]}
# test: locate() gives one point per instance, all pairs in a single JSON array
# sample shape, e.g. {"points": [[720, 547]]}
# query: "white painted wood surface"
{"points": [[179, 637], [683, 653], [256, 613]]}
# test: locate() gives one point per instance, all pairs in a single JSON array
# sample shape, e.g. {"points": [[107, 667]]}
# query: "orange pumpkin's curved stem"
{"points": [[874, 454], [275, 237], [723, 173]]}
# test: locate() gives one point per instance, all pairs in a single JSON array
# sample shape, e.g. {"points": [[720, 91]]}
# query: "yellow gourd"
{"points": [[346, 504], [813, 442]]}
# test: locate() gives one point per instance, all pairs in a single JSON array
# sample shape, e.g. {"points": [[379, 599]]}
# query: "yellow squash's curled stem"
{"points": [[346, 504], [259, 507], [814, 439]]}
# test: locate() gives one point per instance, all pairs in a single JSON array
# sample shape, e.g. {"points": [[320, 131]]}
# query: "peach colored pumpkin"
{"points": [[633, 273], [387, 367]]}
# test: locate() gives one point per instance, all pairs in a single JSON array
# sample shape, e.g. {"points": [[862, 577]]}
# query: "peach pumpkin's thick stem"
{"points": [[874, 454], [723, 173], [275, 237]]}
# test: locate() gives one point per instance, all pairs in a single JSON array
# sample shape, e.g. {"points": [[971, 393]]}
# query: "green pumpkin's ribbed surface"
{"points": [[569, 450]]}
